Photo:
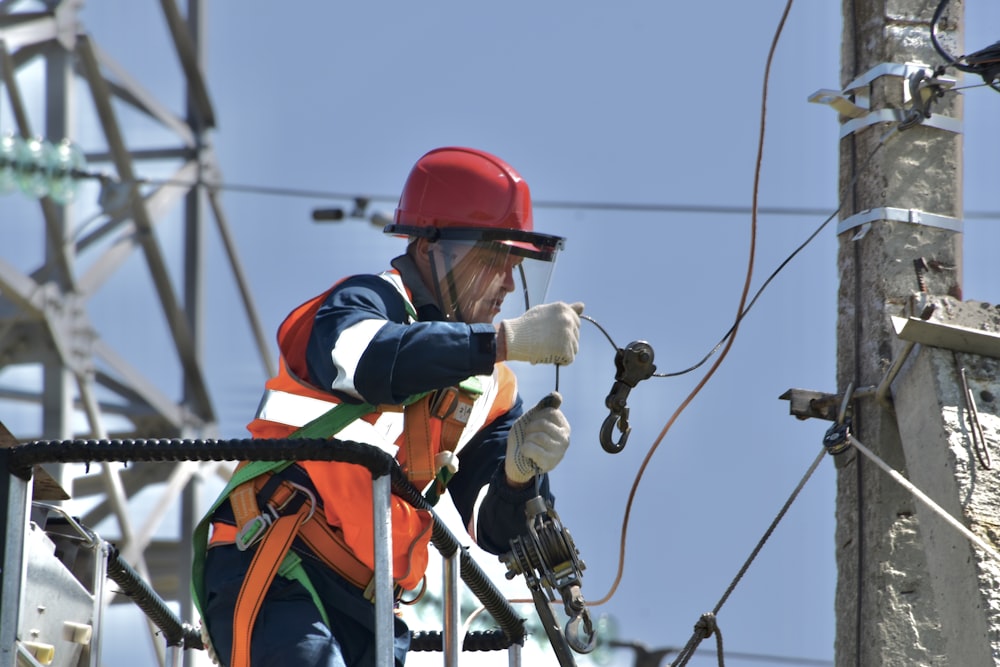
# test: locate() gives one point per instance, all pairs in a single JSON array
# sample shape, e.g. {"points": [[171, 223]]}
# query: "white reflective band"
{"points": [[361, 431], [396, 281], [346, 353], [293, 410], [290, 409]]}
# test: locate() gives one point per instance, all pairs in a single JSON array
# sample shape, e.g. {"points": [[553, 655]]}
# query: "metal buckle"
{"points": [[441, 406], [447, 403], [310, 496], [252, 531]]}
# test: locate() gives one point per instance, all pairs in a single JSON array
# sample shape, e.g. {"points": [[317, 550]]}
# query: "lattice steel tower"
{"points": [[56, 369]]}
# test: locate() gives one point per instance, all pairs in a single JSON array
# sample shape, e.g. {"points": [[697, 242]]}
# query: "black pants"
{"points": [[289, 629]]}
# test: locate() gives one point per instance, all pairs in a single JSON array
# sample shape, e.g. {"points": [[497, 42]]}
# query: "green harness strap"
{"points": [[332, 421]]}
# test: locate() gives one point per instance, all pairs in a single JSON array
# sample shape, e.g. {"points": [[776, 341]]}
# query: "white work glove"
{"points": [[537, 441], [545, 334]]}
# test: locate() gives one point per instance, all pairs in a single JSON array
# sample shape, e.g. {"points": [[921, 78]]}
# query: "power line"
{"points": [[631, 207]]}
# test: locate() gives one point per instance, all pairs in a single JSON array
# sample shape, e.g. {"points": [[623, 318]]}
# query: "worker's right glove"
{"points": [[545, 334], [537, 441]]}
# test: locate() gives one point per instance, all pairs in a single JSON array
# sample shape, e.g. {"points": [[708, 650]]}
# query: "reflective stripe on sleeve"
{"points": [[346, 353]]}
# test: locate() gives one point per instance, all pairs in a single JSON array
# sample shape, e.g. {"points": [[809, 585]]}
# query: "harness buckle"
{"points": [[307, 492], [448, 402], [255, 529], [252, 531]]}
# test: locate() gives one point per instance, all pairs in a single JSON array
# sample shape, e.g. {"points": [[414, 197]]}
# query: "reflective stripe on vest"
{"points": [[295, 410]]}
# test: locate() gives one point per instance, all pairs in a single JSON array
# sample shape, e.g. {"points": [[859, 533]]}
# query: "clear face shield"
{"points": [[480, 280]]}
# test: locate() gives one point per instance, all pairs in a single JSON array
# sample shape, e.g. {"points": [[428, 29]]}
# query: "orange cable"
{"points": [[739, 316]]}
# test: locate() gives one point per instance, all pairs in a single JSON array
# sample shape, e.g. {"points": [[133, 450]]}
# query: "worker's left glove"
{"points": [[537, 440]]}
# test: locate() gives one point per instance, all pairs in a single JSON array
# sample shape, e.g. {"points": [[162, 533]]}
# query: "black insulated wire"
{"points": [[984, 63]]}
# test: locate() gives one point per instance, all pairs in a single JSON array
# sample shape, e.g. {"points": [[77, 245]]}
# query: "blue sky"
{"points": [[629, 102]]}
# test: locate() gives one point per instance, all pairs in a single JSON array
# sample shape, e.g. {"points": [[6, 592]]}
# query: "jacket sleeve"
{"points": [[481, 470], [363, 348]]}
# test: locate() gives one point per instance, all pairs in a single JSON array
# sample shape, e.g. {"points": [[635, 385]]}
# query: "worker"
{"points": [[423, 345]]}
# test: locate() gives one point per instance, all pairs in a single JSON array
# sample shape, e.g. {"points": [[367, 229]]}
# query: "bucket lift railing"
{"points": [[16, 469]]}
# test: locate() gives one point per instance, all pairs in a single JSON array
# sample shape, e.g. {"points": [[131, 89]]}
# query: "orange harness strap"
{"points": [[264, 566], [438, 417], [276, 536], [325, 542]]}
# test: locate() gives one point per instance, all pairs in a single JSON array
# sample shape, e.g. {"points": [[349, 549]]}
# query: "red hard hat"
{"points": [[464, 187], [465, 193]]}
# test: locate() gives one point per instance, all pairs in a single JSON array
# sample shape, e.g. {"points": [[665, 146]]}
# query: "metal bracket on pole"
{"points": [[935, 120], [855, 100], [910, 215]]}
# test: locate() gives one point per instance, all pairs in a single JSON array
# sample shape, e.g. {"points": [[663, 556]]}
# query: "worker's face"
{"points": [[473, 279]]}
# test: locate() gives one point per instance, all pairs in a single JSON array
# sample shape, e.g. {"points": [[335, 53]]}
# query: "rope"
{"points": [[924, 498], [706, 625]]}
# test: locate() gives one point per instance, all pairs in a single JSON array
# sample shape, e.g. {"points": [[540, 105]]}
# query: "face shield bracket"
{"points": [[526, 244]]}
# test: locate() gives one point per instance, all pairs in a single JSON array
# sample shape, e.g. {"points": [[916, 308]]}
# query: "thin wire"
{"points": [[924, 498], [739, 310], [563, 205], [603, 330], [784, 263], [934, 40], [692, 644]]}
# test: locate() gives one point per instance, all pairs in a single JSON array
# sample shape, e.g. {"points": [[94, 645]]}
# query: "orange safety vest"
{"points": [[440, 422]]}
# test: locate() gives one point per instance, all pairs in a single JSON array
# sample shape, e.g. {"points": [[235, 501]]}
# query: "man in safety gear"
{"points": [[423, 344]]}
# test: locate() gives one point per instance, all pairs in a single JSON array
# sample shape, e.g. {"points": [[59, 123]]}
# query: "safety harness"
{"points": [[270, 511]]}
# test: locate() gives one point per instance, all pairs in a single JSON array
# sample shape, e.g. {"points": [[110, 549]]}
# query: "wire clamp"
{"points": [[837, 438], [634, 363], [921, 87]]}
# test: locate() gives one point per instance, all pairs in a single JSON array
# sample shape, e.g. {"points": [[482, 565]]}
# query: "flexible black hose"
{"points": [[23, 457], [133, 586], [487, 640], [494, 601]]}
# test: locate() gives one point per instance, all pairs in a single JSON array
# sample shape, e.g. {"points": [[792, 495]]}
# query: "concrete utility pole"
{"points": [[900, 234]]}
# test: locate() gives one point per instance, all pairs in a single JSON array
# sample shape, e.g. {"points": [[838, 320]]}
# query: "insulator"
{"points": [[8, 154], [66, 161], [30, 158], [39, 168]]}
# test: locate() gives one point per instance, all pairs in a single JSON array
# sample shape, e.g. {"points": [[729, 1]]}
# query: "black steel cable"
{"points": [[133, 586]]}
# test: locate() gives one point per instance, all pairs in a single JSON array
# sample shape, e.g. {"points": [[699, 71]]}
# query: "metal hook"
{"points": [[607, 442], [581, 640], [634, 363]]}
